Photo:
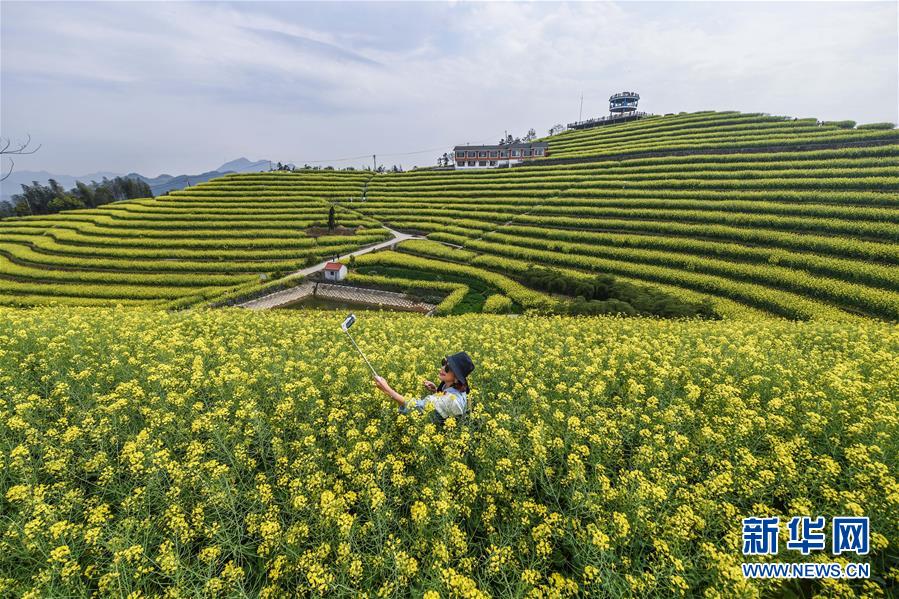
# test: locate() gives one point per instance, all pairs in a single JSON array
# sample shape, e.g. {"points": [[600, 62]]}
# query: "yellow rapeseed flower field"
{"points": [[235, 453]]}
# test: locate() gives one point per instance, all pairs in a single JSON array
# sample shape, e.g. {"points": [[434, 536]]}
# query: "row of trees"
{"points": [[53, 197]]}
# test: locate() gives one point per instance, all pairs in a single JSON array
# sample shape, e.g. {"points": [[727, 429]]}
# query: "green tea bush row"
{"points": [[28, 258], [730, 132], [457, 291], [519, 293], [884, 232], [852, 270], [8, 268], [825, 137], [773, 301], [498, 304], [879, 302], [92, 290]]}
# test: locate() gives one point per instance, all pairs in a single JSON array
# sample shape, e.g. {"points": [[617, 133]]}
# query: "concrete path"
{"points": [[279, 298], [374, 297], [397, 238]]}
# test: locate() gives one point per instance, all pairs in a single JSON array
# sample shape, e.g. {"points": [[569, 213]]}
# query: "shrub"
{"points": [[877, 126], [498, 304]]}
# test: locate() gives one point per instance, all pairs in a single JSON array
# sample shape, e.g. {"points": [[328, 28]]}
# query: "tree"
{"points": [[331, 219], [85, 193], [41, 199], [7, 150], [557, 128]]}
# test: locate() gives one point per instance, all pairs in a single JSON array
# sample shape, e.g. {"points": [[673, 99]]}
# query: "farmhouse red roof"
{"points": [[333, 266]]}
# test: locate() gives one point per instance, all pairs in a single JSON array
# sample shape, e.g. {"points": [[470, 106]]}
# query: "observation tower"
{"points": [[622, 108], [623, 103]]}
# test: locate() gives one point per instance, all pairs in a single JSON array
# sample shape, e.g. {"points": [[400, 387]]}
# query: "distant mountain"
{"points": [[165, 183], [242, 165], [159, 185]]}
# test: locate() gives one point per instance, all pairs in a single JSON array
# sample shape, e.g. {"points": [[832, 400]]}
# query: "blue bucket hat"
{"points": [[461, 365]]}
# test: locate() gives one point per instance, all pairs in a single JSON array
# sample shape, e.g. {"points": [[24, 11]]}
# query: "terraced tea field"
{"points": [[798, 233], [189, 246], [709, 131]]}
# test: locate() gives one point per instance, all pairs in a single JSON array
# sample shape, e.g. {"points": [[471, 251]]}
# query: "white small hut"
{"points": [[335, 271]]}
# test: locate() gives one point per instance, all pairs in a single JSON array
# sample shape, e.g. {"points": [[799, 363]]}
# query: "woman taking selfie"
{"points": [[449, 398]]}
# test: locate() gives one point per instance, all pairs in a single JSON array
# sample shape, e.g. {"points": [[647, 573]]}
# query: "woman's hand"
{"points": [[430, 386], [382, 384]]}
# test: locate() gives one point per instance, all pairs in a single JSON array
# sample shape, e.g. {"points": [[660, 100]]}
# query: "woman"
{"points": [[450, 398]]}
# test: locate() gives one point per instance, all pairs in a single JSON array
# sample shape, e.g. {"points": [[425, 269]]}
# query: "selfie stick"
{"points": [[345, 326]]}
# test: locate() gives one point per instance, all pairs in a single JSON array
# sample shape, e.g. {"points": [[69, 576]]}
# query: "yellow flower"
{"points": [[17, 493], [210, 554], [419, 512], [59, 554], [531, 577]]}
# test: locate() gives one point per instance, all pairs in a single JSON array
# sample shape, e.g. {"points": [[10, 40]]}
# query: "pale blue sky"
{"points": [[184, 87]]}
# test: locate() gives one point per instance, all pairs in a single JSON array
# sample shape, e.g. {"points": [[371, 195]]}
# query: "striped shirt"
{"points": [[447, 402]]}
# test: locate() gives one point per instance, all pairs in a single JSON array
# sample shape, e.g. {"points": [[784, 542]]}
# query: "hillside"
{"points": [[711, 131], [183, 247], [763, 216]]}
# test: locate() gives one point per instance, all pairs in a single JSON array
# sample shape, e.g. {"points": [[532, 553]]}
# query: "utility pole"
{"points": [[581, 113], [374, 162]]}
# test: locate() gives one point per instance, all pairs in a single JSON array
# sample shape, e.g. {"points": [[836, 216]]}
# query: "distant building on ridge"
{"points": [[499, 155]]}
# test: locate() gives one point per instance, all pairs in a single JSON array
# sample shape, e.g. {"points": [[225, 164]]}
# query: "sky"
{"points": [[175, 88]]}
